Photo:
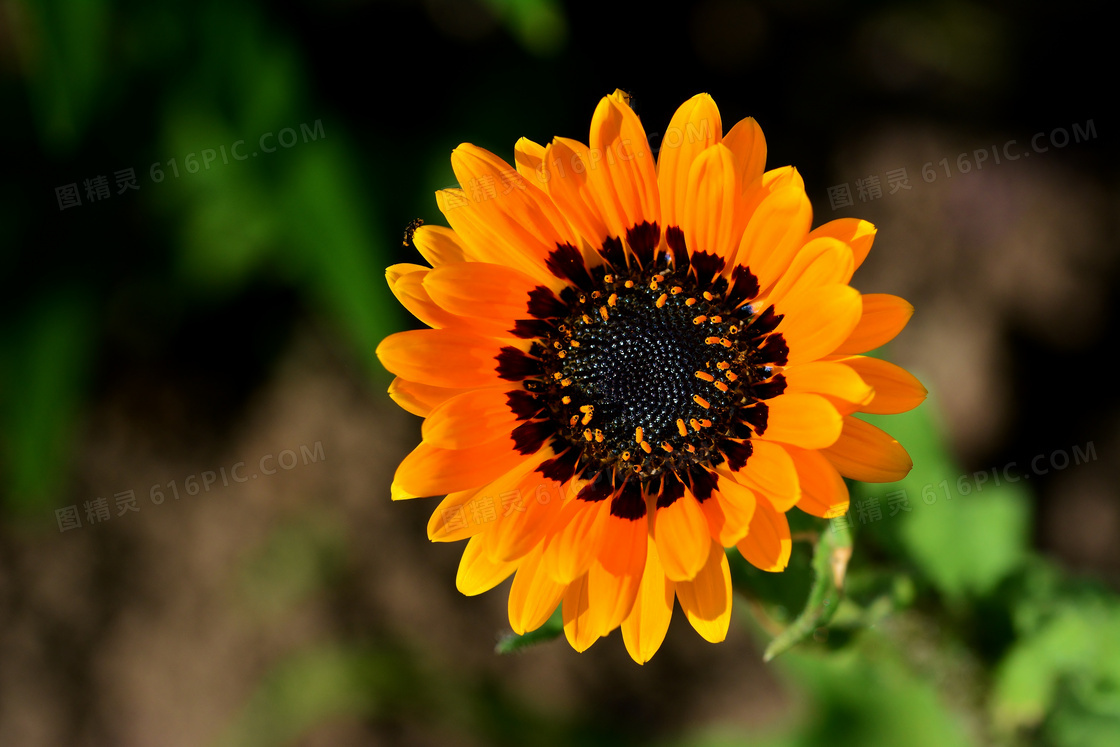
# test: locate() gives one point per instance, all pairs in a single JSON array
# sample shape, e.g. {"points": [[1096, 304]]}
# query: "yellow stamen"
{"points": [[680, 427], [720, 386], [638, 435], [661, 300], [699, 319], [645, 447], [667, 446], [705, 376], [613, 300], [700, 401]]}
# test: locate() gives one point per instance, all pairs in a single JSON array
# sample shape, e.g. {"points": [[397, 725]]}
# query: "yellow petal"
{"points": [[439, 245], [706, 600], [534, 596], [644, 629], [477, 573], [576, 611]]}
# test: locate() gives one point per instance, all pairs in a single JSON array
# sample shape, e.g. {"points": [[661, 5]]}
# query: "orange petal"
{"points": [[706, 600], [806, 420], [713, 217], [441, 357], [776, 229], [866, 453], [420, 399], [410, 290], [767, 546], [694, 127], [883, 318], [430, 470], [748, 145], [576, 611], [644, 629], [681, 533], [579, 531], [472, 418], [622, 173], [534, 596], [769, 473], [820, 262], [817, 321], [439, 245], [856, 233], [480, 289], [823, 491], [453, 520], [729, 511], [567, 163], [527, 156], [478, 573], [611, 595], [528, 509], [896, 389], [832, 378]]}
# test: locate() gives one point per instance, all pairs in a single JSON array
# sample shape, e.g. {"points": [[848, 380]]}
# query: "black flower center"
{"points": [[646, 373]]}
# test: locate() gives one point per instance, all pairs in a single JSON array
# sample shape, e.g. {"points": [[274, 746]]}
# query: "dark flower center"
{"points": [[649, 372]]}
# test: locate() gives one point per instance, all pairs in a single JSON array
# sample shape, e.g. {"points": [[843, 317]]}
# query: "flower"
{"points": [[634, 366]]}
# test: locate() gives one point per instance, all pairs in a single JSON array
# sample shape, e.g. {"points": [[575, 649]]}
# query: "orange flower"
{"points": [[634, 366]]}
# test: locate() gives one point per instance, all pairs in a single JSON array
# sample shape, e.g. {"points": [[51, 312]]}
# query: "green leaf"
{"points": [[964, 531], [551, 630], [830, 562]]}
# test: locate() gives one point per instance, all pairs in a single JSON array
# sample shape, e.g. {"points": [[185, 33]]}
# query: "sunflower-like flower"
{"points": [[634, 365]]}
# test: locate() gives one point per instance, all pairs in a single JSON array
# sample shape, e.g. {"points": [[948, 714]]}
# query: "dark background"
{"points": [[230, 314]]}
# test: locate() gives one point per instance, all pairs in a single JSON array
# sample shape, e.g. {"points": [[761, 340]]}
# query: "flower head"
{"points": [[634, 365]]}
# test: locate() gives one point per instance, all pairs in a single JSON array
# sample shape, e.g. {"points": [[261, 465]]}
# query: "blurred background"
{"points": [[198, 201]]}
